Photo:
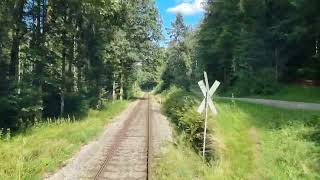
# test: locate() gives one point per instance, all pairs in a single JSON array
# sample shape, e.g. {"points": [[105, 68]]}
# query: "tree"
{"points": [[245, 41], [178, 29], [61, 56], [178, 67]]}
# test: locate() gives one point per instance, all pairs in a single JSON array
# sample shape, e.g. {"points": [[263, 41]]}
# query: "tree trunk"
{"points": [[63, 78], [71, 59], [14, 63], [121, 87], [16, 37], [19, 77], [37, 43], [114, 89], [79, 78], [73, 71]]}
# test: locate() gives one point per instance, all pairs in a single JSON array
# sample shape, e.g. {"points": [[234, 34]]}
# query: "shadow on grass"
{"points": [[271, 118]]}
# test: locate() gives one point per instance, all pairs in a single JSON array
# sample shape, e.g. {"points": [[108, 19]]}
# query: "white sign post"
{"points": [[207, 102]]}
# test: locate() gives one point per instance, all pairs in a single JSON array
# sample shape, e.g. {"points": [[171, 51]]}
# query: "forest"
{"points": [[249, 45], [265, 50], [63, 57], [60, 58], [88, 78]]}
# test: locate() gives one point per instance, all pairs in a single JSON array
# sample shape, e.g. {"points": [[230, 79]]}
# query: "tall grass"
{"points": [[250, 142], [47, 145]]}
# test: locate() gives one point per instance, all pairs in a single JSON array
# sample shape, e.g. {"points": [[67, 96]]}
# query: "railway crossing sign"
{"points": [[204, 90], [207, 102]]}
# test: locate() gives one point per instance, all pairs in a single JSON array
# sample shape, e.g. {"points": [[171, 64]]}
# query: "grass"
{"points": [[179, 162], [296, 93], [250, 142], [46, 146]]}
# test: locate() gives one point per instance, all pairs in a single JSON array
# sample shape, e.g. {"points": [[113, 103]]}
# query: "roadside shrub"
{"points": [[159, 88], [266, 82], [180, 106], [75, 105], [19, 110], [97, 100], [260, 83], [194, 124], [8, 112]]}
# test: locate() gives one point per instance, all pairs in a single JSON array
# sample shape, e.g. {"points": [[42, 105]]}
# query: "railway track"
{"points": [[125, 149], [128, 156]]}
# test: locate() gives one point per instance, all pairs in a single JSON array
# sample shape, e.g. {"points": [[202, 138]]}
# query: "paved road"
{"points": [[122, 151], [280, 104]]}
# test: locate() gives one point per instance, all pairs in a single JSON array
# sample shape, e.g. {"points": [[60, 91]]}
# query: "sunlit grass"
{"points": [[251, 142], [46, 146]]}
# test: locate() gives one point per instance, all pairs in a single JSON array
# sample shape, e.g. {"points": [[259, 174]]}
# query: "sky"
{"points": [[191, 10]]}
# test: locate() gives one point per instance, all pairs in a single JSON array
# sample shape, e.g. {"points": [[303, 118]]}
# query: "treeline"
{"points": [[262, 41], [250, 45], [60, 57], [179, 57]]}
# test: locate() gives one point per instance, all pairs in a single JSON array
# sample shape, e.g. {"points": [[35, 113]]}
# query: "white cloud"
{"points": [[188, 8]]}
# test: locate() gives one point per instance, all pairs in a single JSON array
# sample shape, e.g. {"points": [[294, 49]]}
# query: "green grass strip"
{"points": [[46, 146], [250, 142]]}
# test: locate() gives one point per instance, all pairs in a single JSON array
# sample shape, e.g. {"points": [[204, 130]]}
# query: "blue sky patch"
{"points": [[191, 10]]}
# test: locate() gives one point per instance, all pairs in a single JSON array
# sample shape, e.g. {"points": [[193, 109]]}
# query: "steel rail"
{"points": [[121, 135]]}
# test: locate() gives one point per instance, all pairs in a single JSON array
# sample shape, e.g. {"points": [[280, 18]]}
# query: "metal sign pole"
{"points": [[205, 104], [205, 128], [206, 118]]}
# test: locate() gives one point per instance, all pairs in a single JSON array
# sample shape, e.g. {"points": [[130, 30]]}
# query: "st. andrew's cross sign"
{"points": [[204, 90], [207, 93]]}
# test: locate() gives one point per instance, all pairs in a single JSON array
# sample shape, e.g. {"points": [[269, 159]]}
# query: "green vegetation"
{"points": [[44, 147], [248, 142], [61, 57], [179, 107], [296, 93], [179, 67], [250, 46], [180, 162], [255, 48]]}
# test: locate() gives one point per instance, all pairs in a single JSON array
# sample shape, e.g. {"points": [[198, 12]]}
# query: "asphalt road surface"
{"points": [[280, 104]]}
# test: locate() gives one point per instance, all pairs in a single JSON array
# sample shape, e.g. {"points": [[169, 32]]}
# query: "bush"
{"points": [[161, 87], [20, 110], [260, 83], [8, 113], [180, 106], [75, 105], [97, 100]]}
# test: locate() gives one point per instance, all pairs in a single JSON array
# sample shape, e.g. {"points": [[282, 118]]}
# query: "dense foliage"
{"points": [[260, 42], [180, 106], [250, 141], [179, 56], [61, 57], [249, 45]]}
